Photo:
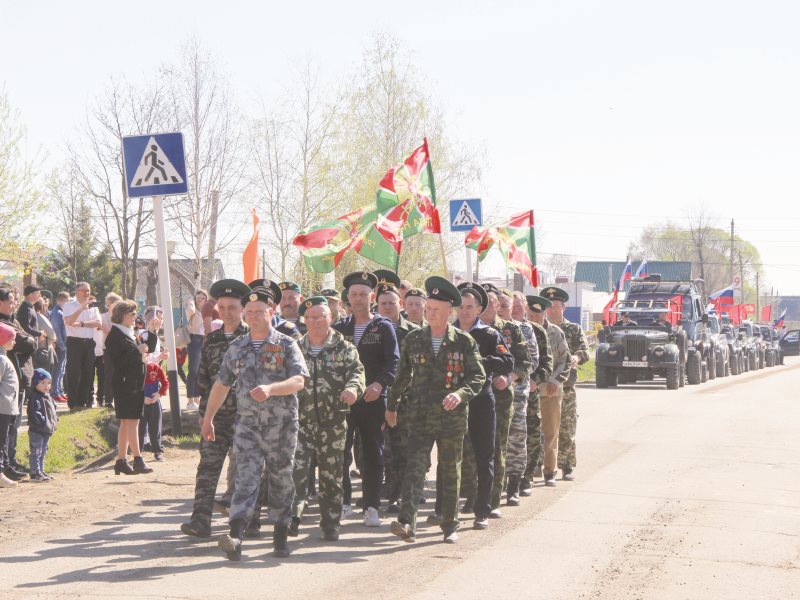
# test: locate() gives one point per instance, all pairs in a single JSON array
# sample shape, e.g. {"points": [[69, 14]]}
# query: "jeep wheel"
{"points": [[712, 366], [704, 373], [601, 377], [736, 363], [694, 368], [721, 368], [682, 375], [770, 359], [673, 373], [753, 364]]}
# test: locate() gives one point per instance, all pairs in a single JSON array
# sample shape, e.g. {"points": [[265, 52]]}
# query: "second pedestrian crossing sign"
{"points": [[465, 214], [155, 164]]}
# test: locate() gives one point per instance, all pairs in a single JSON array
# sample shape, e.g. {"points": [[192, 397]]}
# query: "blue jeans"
{"points": [[38, 446], [193, 351], [58, 372]]}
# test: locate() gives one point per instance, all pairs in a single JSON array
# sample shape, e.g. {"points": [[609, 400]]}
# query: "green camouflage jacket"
{"points": [[335, 368], [545, 367], [576, 341], [215, 346], [455, 369], [516, 343]]}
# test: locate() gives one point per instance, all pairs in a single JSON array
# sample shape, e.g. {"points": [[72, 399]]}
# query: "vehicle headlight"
{"points": [[658, 351], [613, 352]]}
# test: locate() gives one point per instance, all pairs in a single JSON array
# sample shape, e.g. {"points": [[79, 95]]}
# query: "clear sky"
{"points": [[602, 116]]}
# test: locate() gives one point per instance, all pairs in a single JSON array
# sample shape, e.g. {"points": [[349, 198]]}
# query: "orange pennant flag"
{"points": [[250, 255]]}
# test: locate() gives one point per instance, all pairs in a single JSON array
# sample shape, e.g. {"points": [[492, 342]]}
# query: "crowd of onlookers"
{"points": [[56, 350]]}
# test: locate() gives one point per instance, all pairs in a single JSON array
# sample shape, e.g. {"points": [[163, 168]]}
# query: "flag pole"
{"points": [[444, 258]]}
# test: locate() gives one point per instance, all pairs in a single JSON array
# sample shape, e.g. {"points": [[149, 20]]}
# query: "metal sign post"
{"points": [[464, 215], [155, 165]]}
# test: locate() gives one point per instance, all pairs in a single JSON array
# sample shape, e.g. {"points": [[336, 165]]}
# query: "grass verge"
{"points": [[80, 437], [587, 371]]}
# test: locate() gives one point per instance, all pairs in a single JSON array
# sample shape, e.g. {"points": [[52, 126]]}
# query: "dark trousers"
{"points": [[58, 372], [108, 376], [6, 426], [80, 371], [150, 424], [481, 427], [98, 370], [193, 358], [367, 417], [17, 421]]}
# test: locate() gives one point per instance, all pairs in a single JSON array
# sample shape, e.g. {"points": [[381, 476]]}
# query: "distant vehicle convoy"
{"points": [[662, 329]]}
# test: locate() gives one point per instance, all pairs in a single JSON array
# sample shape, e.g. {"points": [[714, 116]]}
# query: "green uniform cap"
{"points": [[290, 285], [537, 303], [360, 278], [228, 288], [416, 292], [387, 276], [491, 288], [473, 289], [313, 301], [439, 288], [330, 293], [554, 293], [386, 288]]}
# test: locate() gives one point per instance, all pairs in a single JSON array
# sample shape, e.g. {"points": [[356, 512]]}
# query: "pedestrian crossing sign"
{"points": [[155, 164], [465, 214]]}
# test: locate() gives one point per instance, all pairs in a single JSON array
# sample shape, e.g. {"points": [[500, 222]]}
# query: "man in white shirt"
{"points": [[82, 319]]}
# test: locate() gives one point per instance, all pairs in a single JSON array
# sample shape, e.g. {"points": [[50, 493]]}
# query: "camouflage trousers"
{"points": [[395, 454], [504, 399], [426, 425], [566, 433], [516, 452], [268, 438], [209, 469], [535, 437], [326, 444]]}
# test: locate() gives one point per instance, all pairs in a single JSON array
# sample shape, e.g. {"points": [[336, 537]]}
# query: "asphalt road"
{"points": [[687, 494]]}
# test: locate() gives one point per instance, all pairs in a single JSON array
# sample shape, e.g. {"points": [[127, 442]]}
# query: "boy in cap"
{"points": [[42, 422]]}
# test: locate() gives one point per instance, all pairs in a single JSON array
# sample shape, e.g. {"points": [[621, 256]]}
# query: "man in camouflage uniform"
{"points": [[441, 369], [504, 399], [535, 437], [229, 294], [269, 370], [517, 433], [291, 297], [579, 354], [335, 382], [414, 304], [394, 452], [552, 390]]}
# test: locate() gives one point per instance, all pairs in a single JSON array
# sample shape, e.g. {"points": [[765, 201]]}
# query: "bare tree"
{"points": [[561, 264], [202, 107], [124, 223]]}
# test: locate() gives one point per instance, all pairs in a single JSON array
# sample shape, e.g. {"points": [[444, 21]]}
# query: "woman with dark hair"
{"points": [[196, 336], [129, 360]]}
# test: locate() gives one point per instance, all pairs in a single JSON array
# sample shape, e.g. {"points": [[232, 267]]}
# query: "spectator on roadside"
{"points": [[45, 355], [209, 312], [57, 319], [82, 319], [26, 315], [197, 333], [9, 392], [153, 318], [130, 359], [21, 356], [106, 365], [42, 423], [156, 387]]}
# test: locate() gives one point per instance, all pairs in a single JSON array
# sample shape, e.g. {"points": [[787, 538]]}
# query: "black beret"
{"points": [[330, 293], [386, 288], [266, 283], [473, 289], [537, 303], [313, 301], [360, 278], [290, 285], [554, 293], [228, 288], [387, 276], [30, 289], [439, 288]]}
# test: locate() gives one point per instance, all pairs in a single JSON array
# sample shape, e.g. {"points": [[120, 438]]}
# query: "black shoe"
{"points": [[122, 467], [525, 488], [195, 529], [253, 528], [330, 535], [550, 479], [469, 506], [147, 447], [39, 478], [294, 527], [13, 474], [393, 508], [279, 546], [139, 466], [20, 468]]}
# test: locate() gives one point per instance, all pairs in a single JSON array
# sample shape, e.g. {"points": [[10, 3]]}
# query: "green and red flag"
{"points": [[410, 186], [515, 240], [372, 235]]}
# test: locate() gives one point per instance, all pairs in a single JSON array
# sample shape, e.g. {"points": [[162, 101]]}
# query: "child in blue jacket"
{"points": [[42, 422]]}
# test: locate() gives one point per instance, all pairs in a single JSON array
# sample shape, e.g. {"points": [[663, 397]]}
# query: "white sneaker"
{"points": [[5, 482], [371, 517], [347, 511], [191, 405]]}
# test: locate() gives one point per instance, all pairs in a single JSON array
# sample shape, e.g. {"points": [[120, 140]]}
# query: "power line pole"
{"points": [[731, 278], [741, 276], [758, 299]]}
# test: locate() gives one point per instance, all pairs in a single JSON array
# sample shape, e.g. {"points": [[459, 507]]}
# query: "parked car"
{"points": [[790, 343]]}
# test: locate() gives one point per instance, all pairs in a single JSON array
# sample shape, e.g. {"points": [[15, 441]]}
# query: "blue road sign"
{"points": [[155, 164], [465, 214]]}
